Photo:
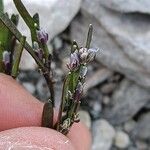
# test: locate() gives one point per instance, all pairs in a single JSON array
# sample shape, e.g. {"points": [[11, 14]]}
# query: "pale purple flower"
{"points": [[87, 55], [91, 54], [78, 92], [74, 61], [42, 36]]}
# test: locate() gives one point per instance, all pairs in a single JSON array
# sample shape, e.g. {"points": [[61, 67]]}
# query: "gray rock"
{"points": [[126, 102], [122, 139], [55, 16], [103, 135], [108, 88], [85, 118], [129, 125], [124, 46], [142, 129], [29, 87], [42, 90], [141, 145], [128, 5]]}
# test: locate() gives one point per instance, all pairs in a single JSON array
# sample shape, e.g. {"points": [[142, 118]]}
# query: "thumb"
{"points": [[34, 138]]}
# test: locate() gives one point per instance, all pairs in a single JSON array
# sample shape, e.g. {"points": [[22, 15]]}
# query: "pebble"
{"points": [[29, 87], [85, 118], [108, 88], [103, 135], [129, 125], [106, 100], [42, 89], [121, 139]]}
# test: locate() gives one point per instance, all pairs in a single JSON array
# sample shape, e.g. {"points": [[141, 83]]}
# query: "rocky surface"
{"points": [[142, 6], [127, 100]]}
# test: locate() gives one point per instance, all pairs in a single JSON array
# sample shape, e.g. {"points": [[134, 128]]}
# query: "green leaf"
{"points": [[27, 18], [1, 6], [47, 115], [89, 36], [73, 80], [36, 19], [18, 54]]}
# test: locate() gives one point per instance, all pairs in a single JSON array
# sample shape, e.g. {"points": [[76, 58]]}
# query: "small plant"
{"points": [[12, 43]]}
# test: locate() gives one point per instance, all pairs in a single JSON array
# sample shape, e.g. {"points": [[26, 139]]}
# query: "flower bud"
{"points": [[91, 54], [78, 92], [42, 36], [87, 55], [74, 61]]}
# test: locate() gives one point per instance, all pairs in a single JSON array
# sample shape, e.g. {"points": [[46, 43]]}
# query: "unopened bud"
{"points": [[42, 36], [74, 61]]}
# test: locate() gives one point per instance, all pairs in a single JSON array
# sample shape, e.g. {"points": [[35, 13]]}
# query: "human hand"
{"points": [[20, 120]]}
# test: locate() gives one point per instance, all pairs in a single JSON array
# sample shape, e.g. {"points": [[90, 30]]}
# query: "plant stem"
{"points": [[1, 6], [18, 54], [89, 36]]}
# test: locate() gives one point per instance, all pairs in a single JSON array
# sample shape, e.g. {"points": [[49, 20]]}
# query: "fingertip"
{"points": [[80, 136], [34, 137]]}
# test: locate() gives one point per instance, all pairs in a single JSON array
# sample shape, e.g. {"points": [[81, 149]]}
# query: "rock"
{"points": [[142, 129], [122, 139], [29, 87], [129, 125], [128, 5], [98, 77], [141, 145], [103, 135], [42, 89], [124, 47], [55, 17], [106, 100], [94, 103], [108, 88], [85, 118], [127, 100]]}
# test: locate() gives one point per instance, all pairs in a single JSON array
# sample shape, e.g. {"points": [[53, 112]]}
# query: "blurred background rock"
{"points": [[116, 104]]}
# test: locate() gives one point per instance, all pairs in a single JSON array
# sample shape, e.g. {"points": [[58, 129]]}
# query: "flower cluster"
{"points": [[81, 57]]}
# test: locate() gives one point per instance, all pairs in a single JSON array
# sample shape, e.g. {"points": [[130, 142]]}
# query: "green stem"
{"points": [[89, 36], [18, 57], [27, 18], [1, 6]]}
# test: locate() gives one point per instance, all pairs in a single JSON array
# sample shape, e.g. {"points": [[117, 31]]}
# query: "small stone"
{"points": [[96, 109], [129, 125], [106, 100], [103, 135], [85, 118], [57, 43], [141, 145], [122, 139], [108, 88], [29, 87], [142, 128], [42, 89]]}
